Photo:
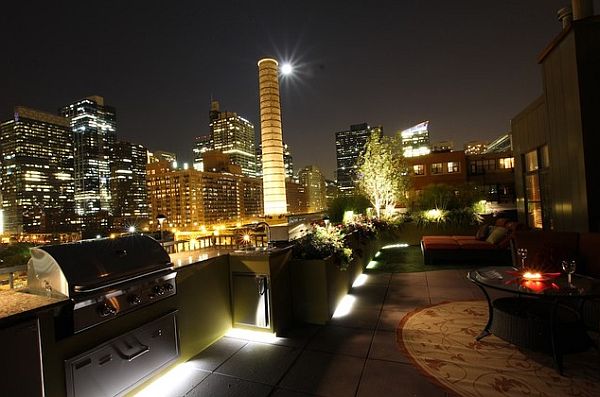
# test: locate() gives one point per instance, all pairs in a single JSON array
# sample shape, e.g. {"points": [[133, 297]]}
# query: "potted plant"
{"points": [[319, 273]]}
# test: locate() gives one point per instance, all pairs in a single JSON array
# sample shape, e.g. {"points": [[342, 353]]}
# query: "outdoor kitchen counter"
{"points": [[183, 259], [19, 304]]}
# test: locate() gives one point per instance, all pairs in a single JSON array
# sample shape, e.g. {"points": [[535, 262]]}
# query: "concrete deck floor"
{"points": [[353, 355]]}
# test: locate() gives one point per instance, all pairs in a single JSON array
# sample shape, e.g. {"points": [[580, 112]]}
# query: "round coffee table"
{"points": [[542, 315]]}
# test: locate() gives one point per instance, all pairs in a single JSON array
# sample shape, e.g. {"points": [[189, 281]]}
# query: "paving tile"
{"points": [[369, 297], [217, 385], [404, 303], [378, 278], [386, 378], [385, 347], [324, 374], [409, 289], [342, 340], [358, 318], [389, 320], [298, 336], [217, 353], [178, 385], [259, 362], [412, 278], [289, 393]]}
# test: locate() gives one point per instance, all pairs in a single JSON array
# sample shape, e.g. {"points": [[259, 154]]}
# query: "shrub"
{"points": [[341, 204], [322, 242]]}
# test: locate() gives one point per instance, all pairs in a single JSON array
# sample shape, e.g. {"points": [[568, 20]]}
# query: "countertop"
{"points": [[17, 304]]}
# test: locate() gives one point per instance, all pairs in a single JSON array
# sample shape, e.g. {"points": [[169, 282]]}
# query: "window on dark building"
{"points": [[437, 168]]}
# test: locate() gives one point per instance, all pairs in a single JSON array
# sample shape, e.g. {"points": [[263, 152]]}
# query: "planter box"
{"points": [[318, 286]]}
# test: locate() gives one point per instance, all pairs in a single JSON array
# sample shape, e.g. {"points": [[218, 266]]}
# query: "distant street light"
{"points": [[131, 229], [161, 218]]}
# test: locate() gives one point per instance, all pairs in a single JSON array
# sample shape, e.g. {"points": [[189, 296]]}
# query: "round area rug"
{"points": [[440, 340]]}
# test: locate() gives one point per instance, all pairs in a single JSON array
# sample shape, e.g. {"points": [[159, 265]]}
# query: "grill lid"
{"points": [[88, 265]]}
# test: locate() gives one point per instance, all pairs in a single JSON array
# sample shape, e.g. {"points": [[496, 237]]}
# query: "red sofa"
{"points": [[471, 249]]}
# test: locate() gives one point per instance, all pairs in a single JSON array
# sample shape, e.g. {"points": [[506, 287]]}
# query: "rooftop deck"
{"points": [[354, 355]]}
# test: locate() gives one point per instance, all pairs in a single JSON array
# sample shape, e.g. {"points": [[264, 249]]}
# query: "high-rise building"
{"points": [[475, 147], [202, 144], [415, 140], [288, 162], [190, 198], [234, 136], [94, 127], [442, 146], [161, 155], [500, 145], [271, 138], [313, 181], [36, 149], [349, 146], [332, 191], [297, 200], [128, 185]]}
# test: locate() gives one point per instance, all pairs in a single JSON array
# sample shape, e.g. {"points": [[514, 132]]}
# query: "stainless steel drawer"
{"points": [[115, 366]]}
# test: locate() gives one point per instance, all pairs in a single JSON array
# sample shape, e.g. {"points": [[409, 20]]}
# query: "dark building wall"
{"points": [[529, 130], [566, 118]]}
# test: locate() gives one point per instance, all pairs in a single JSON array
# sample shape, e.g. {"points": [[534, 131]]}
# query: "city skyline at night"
{"points": [[467, 68]]}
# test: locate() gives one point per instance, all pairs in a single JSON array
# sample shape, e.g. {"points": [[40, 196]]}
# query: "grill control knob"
{"points": [[106, 309], [168, 287], [158, 289], [135, 299]]}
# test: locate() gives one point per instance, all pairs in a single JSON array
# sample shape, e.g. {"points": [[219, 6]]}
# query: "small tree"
{"points": [[382, 173]]}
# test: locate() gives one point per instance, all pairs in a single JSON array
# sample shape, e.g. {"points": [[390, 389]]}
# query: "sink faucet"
{"points": [[255, 226]]}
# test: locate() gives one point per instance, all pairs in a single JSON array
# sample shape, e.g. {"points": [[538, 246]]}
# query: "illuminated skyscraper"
{"points": [[202, 144], [128, 185], [314, 185], [94, 128], [234, 136], [349, 146], [415, 140], [271, 138], [36, 149]]}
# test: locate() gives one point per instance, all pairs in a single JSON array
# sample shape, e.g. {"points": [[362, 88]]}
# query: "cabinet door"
{"points": [[251, 299], [21, 363]]}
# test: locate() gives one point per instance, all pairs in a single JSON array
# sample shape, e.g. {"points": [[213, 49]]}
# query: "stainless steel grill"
{"points": [[104, 278]]}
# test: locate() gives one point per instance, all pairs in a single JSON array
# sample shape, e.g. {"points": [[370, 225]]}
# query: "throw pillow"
{"points": [[482, 232], [497, 234]]}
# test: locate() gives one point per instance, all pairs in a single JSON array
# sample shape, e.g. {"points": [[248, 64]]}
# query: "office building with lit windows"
{"points": [[234, 136], [202, 144], [94, 127], [190, 198], [36, 151], [475, 147], [128, 186], [415, 140], [313, 181], [349, 146]]}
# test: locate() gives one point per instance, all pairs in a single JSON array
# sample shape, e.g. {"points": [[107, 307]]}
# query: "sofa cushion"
{"points": [[589, 254], [476, 245], [440, 243], [501, 222], [483, 232], [464, 238], [498, 233]]}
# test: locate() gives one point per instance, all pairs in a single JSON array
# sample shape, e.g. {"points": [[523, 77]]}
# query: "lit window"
{"points": [[436, 168], [453, 166], [507, 162], [419, 169]]}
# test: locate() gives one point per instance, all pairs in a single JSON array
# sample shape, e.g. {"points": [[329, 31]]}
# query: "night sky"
{"points": [[467, 66]]}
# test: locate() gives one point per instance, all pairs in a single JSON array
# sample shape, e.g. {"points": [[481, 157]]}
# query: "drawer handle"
{"points": [[131, 357]]}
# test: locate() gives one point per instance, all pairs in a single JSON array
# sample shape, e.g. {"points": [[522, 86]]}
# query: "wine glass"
{"points": [[569, 268], [522, 253]]}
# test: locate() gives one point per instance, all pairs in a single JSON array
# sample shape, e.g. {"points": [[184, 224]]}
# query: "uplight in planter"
{"points": [[344, 307], [377, 254], [372, 265], [360, 280], [348, 216], [389, 246]]}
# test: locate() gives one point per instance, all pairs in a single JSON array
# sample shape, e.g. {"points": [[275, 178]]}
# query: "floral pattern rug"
{"points": [[440, 340]]}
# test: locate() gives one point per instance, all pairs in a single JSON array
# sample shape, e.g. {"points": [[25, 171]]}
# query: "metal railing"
{"points": [[11, 273]]}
